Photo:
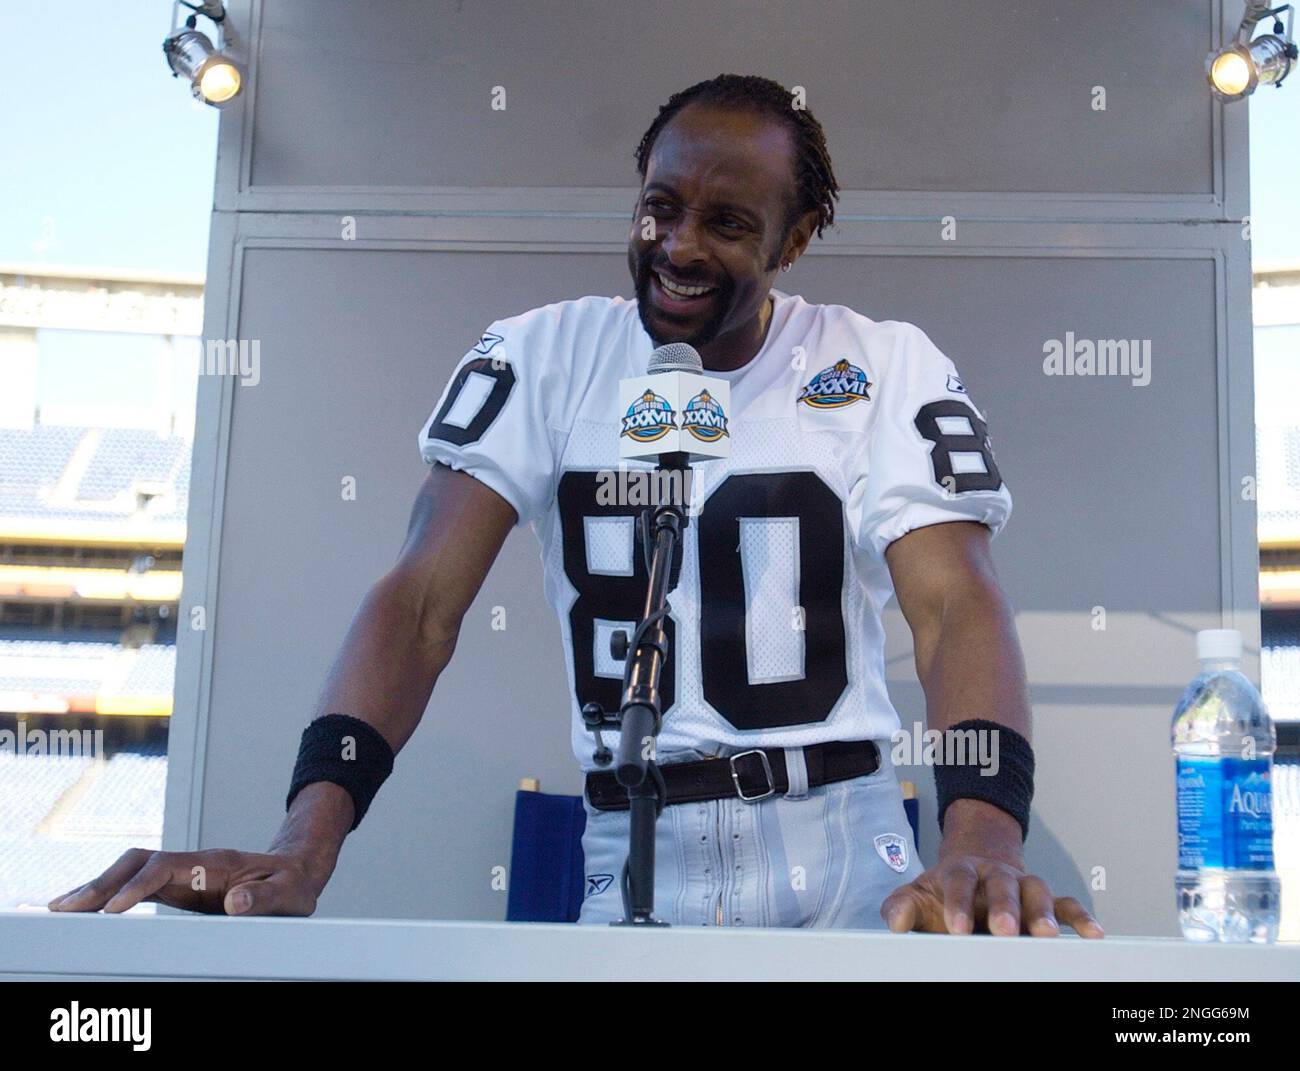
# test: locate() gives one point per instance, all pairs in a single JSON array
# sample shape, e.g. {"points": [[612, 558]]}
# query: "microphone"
{"points": [[675, 357], [674, 408]]}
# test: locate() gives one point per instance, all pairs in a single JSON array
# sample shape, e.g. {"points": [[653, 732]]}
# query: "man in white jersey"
{"points": [[859, 468]]}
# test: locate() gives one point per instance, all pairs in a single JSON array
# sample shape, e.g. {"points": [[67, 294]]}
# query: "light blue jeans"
{"points": [[825, 859]]}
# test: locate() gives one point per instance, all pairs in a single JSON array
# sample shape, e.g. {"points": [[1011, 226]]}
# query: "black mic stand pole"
{"points": [[660, 527]]}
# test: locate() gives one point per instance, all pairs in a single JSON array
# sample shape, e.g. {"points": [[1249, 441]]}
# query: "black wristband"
{"points": [[1010, 788], [359, 764]]}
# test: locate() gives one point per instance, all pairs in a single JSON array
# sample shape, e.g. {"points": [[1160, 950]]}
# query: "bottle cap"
{"points": [[1218, 643]]}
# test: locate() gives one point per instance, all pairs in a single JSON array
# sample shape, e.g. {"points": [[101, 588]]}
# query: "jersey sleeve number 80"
{"points": [[503, 377], [935, 421]]}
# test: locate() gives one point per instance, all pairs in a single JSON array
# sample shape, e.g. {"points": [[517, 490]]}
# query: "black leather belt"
{"points": [[748, 775]]}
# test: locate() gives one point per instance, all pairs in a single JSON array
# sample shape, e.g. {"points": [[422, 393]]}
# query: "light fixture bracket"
{"points": [[1268, 58], [189, 51]]}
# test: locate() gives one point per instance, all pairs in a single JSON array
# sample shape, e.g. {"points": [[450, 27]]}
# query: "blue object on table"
{"points": [[546, 879]]}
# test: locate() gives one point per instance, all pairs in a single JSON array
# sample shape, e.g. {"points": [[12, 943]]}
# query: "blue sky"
{"points": [[100, 139], [1275, 171], [110, 163]]}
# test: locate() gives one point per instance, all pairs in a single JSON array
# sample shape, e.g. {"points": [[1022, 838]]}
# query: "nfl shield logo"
{"points": [[893, 850]]}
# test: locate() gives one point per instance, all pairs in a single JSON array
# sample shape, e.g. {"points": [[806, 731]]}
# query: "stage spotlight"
{"points": [[213, 76], [1237, 70]]}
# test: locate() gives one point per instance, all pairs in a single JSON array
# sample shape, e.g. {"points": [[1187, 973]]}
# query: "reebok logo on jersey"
{"points": [[597, 884], [893, 850], [488, 343], [956, 385], [835, 387]]}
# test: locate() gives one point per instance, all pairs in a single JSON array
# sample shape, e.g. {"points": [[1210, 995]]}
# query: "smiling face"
{"points": [[718, 186]]}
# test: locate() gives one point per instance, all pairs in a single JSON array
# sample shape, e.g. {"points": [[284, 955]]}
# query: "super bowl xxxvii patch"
{"points": [[893, 850], [835, 387]]}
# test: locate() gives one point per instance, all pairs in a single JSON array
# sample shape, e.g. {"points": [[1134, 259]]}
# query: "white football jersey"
{"points": [[845, 434]]}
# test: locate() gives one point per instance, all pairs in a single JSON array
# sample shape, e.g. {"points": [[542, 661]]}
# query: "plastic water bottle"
{"points": [[1223, 746]]}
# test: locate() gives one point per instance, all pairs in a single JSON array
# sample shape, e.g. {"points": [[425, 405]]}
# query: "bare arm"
{"points": [[969, 663], [968, 657], [400, 640], [405, 630]]}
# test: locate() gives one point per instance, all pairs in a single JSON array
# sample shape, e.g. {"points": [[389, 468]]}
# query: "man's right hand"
{"points": [[217, 881]]}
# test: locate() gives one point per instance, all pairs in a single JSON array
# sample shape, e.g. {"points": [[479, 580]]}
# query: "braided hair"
{"points": [[814, 179]]}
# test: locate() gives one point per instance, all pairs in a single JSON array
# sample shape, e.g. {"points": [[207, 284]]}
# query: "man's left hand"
{"points": [[980, 884]]}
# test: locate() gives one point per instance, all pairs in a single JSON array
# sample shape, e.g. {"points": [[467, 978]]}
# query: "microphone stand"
{"points": [[639, 719]]}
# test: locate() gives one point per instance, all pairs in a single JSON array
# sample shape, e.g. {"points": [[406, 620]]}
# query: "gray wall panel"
{"points": [[1077, 451], [961, 96]]}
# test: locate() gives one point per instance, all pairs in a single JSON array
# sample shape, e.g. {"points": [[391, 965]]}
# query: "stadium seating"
{"points": [[54, 838], [34, 461], [86, 669], [126, 799], [1277, 464], [30, 786], [65, 818], [127, 455]]}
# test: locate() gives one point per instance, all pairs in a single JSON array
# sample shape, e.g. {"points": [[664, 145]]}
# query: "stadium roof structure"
{"points": [[100, 299], [106, 274]]}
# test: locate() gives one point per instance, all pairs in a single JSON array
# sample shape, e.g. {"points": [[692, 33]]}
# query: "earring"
{"points": [[786, 266]]}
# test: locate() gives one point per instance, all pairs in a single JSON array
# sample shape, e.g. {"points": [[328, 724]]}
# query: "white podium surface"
{"points": [[63, 947]]}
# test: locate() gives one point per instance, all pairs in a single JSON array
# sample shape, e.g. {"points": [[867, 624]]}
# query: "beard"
{"points": [[663, 330]]}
